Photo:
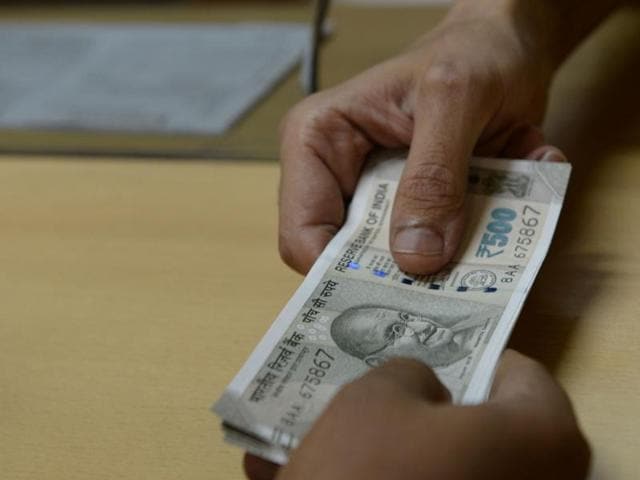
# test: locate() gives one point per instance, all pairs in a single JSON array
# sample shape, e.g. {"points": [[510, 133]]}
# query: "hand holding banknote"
{"points": [[379, 225], [470, 86], [356, 309], [397, 421], [476, 84]]}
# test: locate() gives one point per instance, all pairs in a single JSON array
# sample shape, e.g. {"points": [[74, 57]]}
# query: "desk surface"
{"points": [[134, 290]]}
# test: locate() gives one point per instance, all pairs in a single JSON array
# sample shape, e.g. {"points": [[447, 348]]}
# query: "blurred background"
{"points": [[198, 78]]}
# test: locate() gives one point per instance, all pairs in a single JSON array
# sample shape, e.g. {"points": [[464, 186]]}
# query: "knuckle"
{"points": [[582, 454], [570, 446], [301, 114], [292, 119], [432, 188], [447, 76], [452, 80], [528, 366]]}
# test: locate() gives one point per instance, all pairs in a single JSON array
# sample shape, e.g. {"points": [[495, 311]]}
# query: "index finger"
{"points": [[322, 154]]}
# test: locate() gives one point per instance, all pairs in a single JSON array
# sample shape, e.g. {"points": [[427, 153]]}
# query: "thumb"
{"points": [[428, 214], [400, 378], [365, 423]]}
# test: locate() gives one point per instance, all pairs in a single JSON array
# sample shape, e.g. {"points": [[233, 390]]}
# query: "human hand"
{"points": [[476, 84], [397, 422]]}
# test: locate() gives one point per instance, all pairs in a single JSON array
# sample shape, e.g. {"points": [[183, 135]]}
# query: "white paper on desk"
{"points": [[143, 78]]}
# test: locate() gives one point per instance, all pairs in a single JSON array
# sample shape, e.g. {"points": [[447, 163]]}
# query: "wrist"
{"points": [[547, 30]]}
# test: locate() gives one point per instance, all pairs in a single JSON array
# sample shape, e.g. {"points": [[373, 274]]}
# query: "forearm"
{"points": [[548, 29]]}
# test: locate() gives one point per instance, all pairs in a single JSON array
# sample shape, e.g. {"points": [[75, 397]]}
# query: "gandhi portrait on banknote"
{"points": [[376, 333]]}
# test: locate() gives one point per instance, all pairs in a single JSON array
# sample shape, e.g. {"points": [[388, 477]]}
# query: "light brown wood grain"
{"points": [[132, 292]]}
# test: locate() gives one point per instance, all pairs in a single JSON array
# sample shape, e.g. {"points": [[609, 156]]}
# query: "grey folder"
{"points": [[141, 78]]}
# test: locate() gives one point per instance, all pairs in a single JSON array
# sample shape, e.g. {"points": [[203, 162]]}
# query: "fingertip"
{"points": [[409, 376], [293, 258], [521, 380], [523, 140], [256, 468], [301, 250], [528, 142], [547, 153], [513, 375]]}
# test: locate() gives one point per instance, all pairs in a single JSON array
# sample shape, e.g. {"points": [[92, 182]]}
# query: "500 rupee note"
{"points": [[355, 308]]}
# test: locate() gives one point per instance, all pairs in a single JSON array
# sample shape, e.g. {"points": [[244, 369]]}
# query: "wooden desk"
{"points": [[132, 291]]}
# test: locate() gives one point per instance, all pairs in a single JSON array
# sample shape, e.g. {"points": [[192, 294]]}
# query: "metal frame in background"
{"points": [[319, 17]]}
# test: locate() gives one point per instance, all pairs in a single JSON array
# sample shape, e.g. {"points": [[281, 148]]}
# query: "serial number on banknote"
{"points": [[322, 362], [501, 226]]}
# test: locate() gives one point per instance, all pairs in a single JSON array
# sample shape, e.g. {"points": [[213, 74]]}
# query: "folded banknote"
{"points": [[356, 308]]}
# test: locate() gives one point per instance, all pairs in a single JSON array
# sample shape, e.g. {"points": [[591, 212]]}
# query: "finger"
{"points": [[540, 416], [521, 379], [522, 141], [527, 429], [256, 468], [368, 420], [313, 184], [528, 142], [536, 404], [402, 378], [325, 141], [428, 214], [547, 153]]}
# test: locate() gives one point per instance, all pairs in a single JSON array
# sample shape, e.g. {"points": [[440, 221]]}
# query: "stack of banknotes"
{"points": [[355, 308]]}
